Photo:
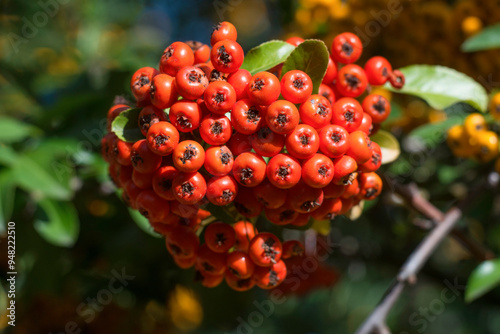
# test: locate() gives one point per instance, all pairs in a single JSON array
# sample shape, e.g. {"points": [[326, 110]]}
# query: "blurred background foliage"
{"points": [[59, 73]]}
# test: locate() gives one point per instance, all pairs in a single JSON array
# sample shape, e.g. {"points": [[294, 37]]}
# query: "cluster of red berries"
{"points": [[252, 141]]}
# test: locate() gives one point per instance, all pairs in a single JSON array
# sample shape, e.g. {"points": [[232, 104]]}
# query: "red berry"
{"points": [[185, 115], [140, 84], [201, 51], [366, 124], [240, 80], [269, 196], [219, 97], [346, 48], [282, 117], [303, 142], [182, 242], [219, 237], [377, 106], [188, 156], [189, 188], [210, 262], [227, 56], [148, 116], [377, 70], [221, 190], [347, 113], [240, 264], [223, 30], [370, 185], [162, 182], [163, 92], [375, 160], [316, 111], [283, 171], [266, 142], [249, 169], [327, 92], [296, 86], [359, 147], [351, 81], [247, 204], [265, 249], [263, 88], [271, 277], [151, 205], [295, 40], [317, 171], [246, 117], [162, 138], [305, 199], [331, 73], [143, 181], [245, 232], [292, 248], [239, 143], [143, 159], [345, 170], [330, 208], [218, 160], [191, 82], [176, 56], [333, 141], [281, 216]]}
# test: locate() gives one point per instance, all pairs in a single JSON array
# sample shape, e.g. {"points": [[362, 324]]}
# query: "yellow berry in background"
{"points": [[495, 106], [487, 146], [457, 141], [474, 123], [471, 25]]}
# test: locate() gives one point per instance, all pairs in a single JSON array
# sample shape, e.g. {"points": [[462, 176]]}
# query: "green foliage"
{"points": [[142, 222], [483, 279], [125, 125], [12, 130], [59, 224], [7, 193], [487, 39], [311, 56], [266, 55], [389, 145], [442, 87], [433, 134]]}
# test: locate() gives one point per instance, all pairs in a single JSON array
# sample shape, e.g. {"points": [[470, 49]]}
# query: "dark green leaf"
{"points": [[389, 145], [12, 130], [60, 225], [7, 193], [34, 178], [143, 223], [483, 279], [442, 87], [311, 56], [220, 213], [433, 134], [126, 127], [487, 39], [266, 56]]}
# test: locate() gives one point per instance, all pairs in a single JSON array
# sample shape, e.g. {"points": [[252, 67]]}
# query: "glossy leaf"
{"points": [[389, 145], [59, 225], [442, 87], [311, 56], [483, 279], [266, 55], [488, 38], [125, 126], [143, 223]]}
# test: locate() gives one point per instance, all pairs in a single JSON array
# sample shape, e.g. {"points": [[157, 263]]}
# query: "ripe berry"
{"points": [[162, 182], [240, 80], [331, 73], [292, 248], [330, 208], [333, 141], [239, 143], [282, 117], [333, 190], [269, 196], [189, 188], [494, 107], [148, 116], [316, 111], [162, 138], [208, 280], [246, 117], [238, 284], [266, 142], [219, 97], [377, 70], [283, 171], [370, 185], [201, 51], [130, 193], [143, 159], [295, 40], [347, 113], [474, 124], [271, 277], [317, 171], [377, 106], [303, 142], [182, 242], [140, 84], [184, 210], [247, 204], [366, 124], [375, 160], [263, 88], [219, 237], [176, 56], [188, 156], [113, 112], [210, 262], [359, 147], [487, 143], [240, 264], [151, 205], [351, 81], [143, 181], [351, 190], [346, 48], [327, 92], [301, 220], [397, 79], [296, 86], [245, 232], [227, 56], [265, 249], [191, 82], [216, 75], [305, 199], [218, 160], [345, 170], [123, 152], [180, 262], [221, 190], [215, 129], [223, 30], [163, 93], [281, 216], [185, 115], [249, 169]]}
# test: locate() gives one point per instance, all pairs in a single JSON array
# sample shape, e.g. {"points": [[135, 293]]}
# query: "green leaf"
{"points": [[7, 155], [266, 56], [13, 130], [483, 279], [7, 193], [433, 134], [142, 222], [32, 177], [310, 56], [442, 87], [487, 39], [60, 226], [126, 127], [389, 145]]}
